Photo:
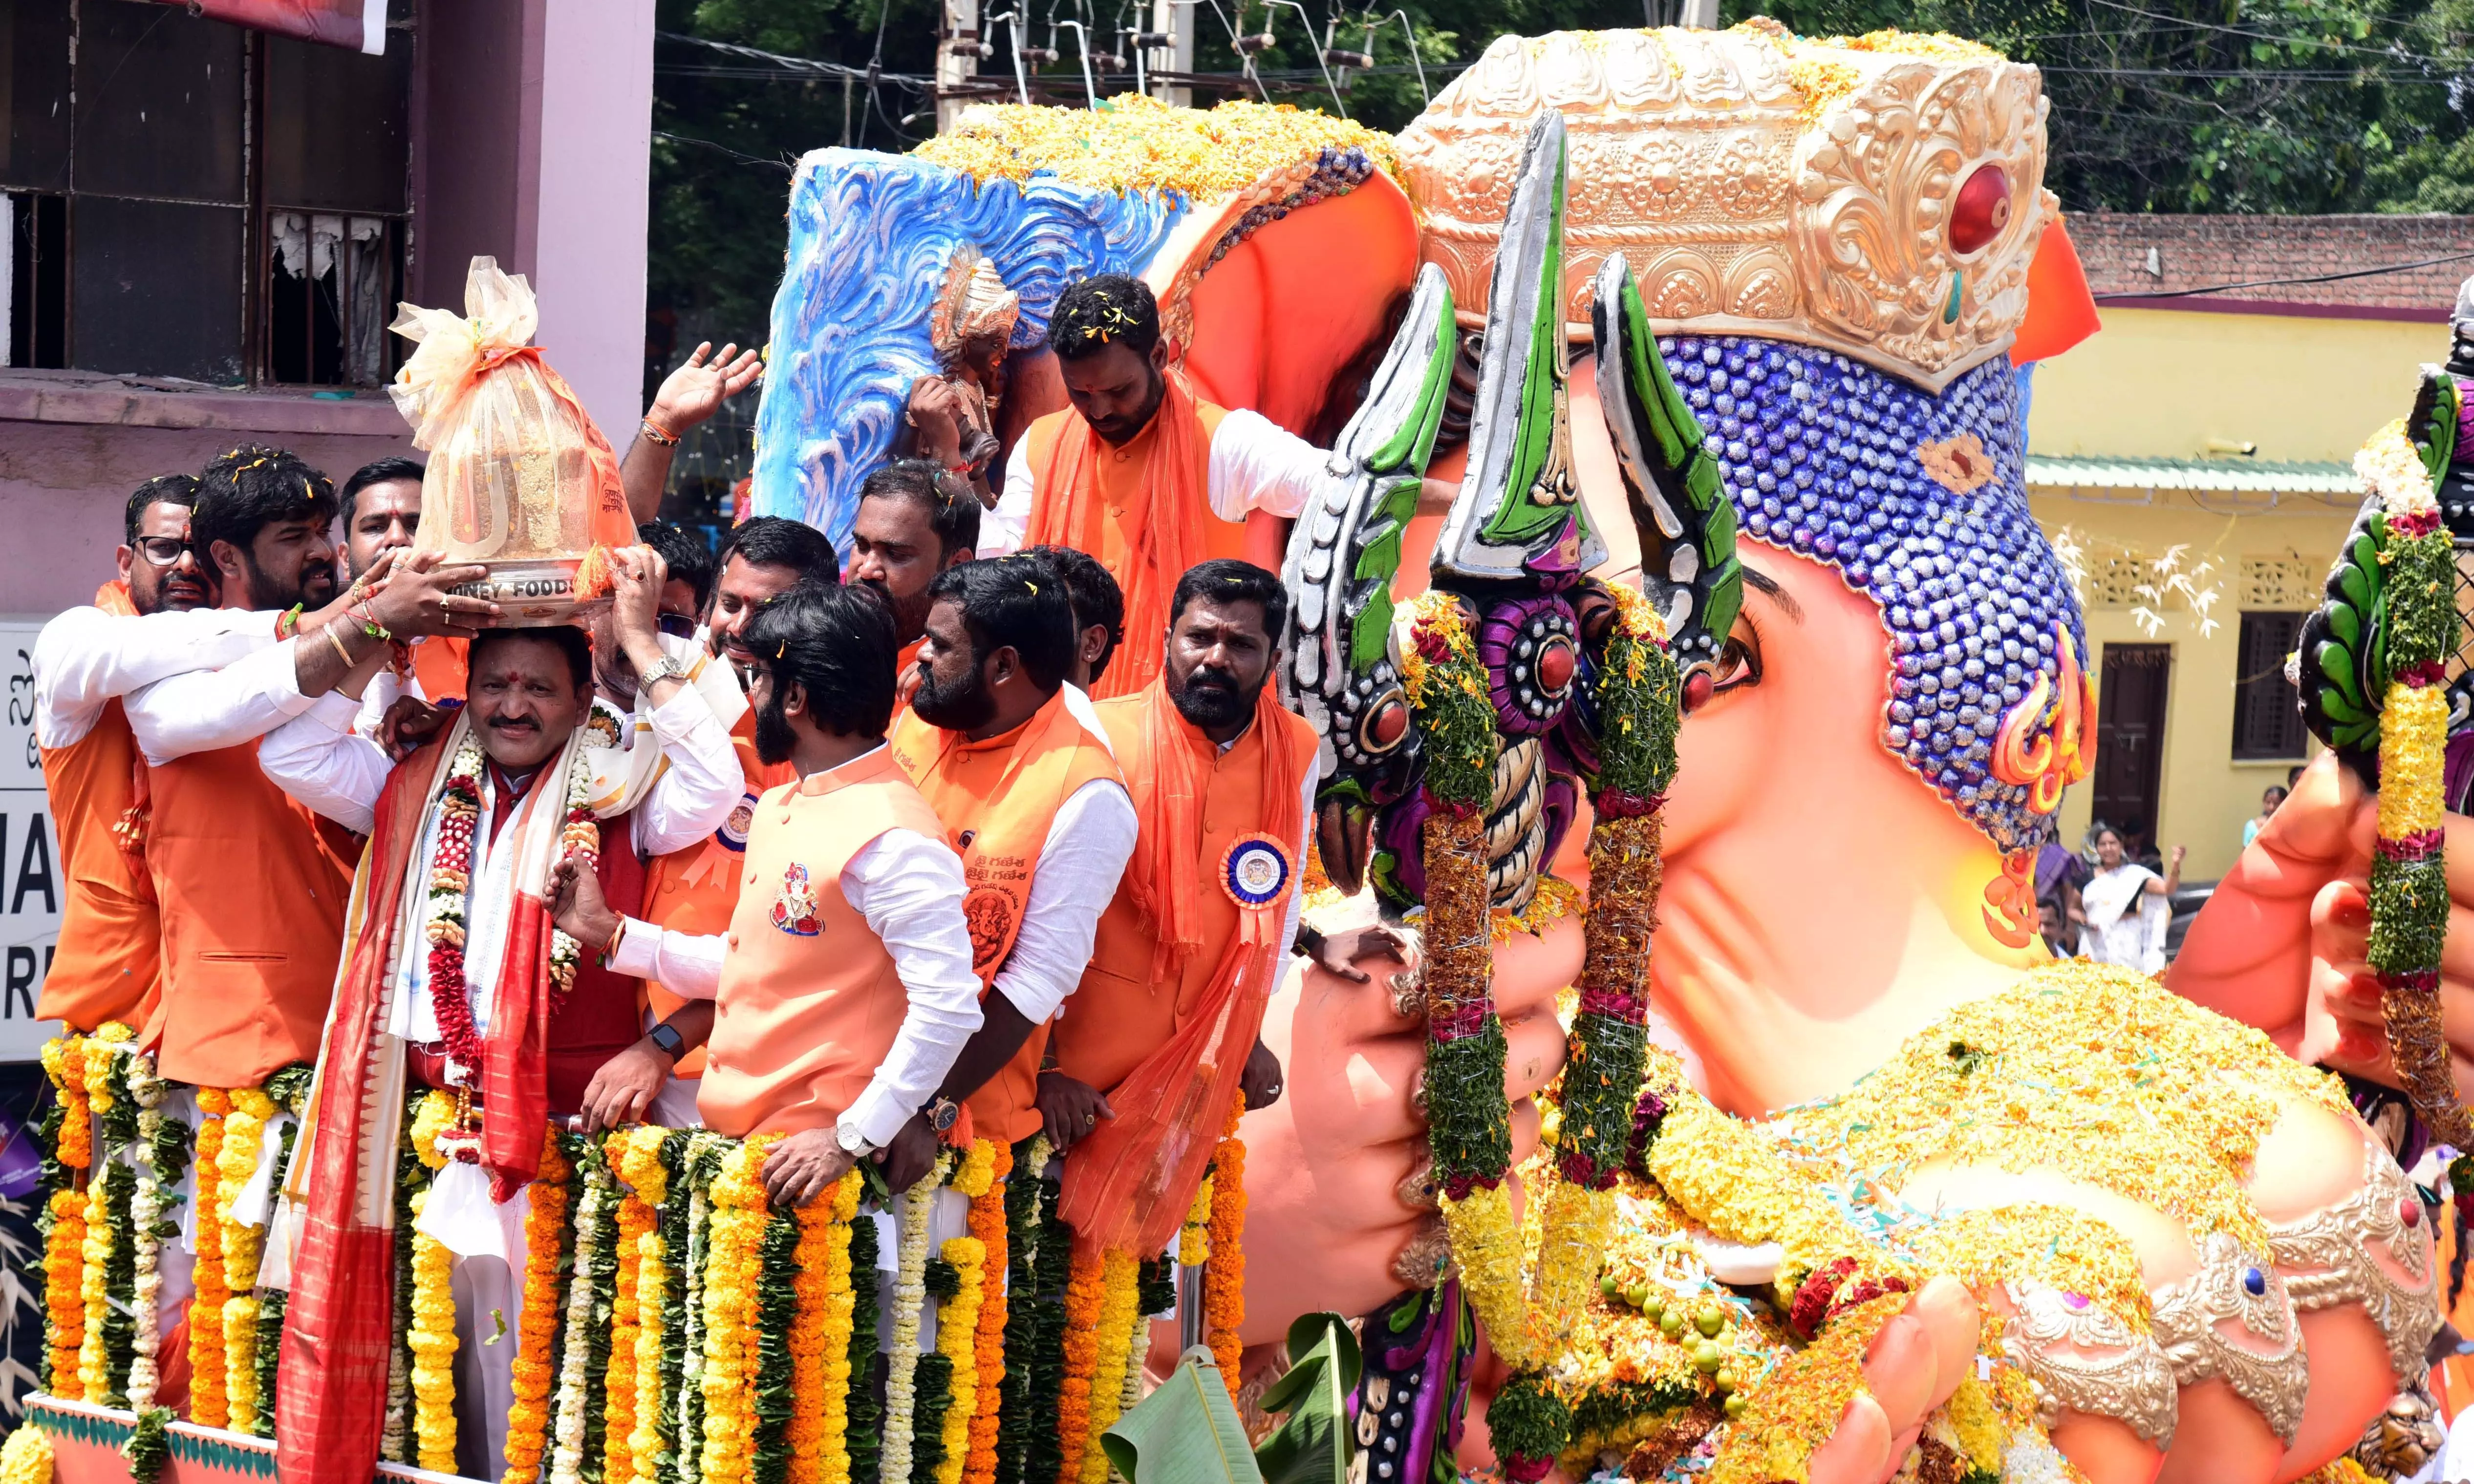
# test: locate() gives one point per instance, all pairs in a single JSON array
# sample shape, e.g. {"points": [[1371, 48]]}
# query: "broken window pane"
{"points": [[330, 282], [34, 279]]}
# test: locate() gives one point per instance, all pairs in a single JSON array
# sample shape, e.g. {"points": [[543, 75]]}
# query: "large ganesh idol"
{"points": [[1896, 1194]]}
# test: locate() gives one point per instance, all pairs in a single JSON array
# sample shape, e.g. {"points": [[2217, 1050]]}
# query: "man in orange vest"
{"points": [[1012, 761], [156, 619], [1188, 953], [247, 975], [1139, 471], [905, 534], [842, 993]]}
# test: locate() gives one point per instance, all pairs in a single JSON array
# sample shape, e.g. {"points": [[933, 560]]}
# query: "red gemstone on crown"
{"points": [[1555, 665], [1388, 725], [2409, 1211], [1981, 209]]}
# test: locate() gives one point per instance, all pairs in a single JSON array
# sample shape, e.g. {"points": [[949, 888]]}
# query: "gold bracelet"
{"points": [[332, 637]]}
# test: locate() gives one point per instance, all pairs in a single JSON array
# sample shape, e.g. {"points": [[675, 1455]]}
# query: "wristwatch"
{"points": [[673, 1044], [666, 668], [852, 1140], [942, 1113]]}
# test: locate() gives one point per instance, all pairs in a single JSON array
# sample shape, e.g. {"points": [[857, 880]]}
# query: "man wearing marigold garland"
{"points": [[1139, 471], [464, 987]]}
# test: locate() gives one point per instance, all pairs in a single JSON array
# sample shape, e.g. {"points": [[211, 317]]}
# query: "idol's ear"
{"points": [[1518, 515], [1689, 567], [1336, 666]]}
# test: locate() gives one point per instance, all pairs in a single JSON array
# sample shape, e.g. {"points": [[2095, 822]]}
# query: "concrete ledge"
{"points": [[75, 397]]}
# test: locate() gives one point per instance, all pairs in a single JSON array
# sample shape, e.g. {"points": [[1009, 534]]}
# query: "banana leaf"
{"points": [[1312, 1446], [1186, 1433]]}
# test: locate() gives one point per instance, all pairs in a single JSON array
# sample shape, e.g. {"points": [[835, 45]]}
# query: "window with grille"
{"points": [[2268, 715], [184, 198]]}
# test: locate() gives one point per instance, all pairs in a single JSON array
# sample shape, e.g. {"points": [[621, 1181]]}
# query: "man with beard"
{"points": [[843, 991], [1013, 762], [905, 534], [463, 838], [694, 889], [1189, 950], [247, 975], [1139, 471], [155, 619]]}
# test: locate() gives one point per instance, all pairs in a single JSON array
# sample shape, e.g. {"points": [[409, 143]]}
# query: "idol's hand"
{"points": [[577, 907], [694, 391], [2283, 944], [936, 410], [803, 1166], [1072, 1108], [416, 599], [911, 1155], [623, 1086], [1341, 952]]}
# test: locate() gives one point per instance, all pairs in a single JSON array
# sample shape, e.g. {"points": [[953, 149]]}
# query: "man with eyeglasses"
{"points": [[155, 619]]}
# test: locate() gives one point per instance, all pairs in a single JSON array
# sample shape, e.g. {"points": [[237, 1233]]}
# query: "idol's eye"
{"points": [[1739, 659]]}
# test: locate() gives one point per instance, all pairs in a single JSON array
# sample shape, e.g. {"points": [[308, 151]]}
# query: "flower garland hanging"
{"points": [[209, 1405], [1193, 1249], [820, 1337], [733, 1273], [1084, 1290], [1029, 1434], [543, 1302], [910, 1298], [1117, 1321], [63, 1059], [165, 1141], [775, 1315], [864, 1416], [2409, 876], [957, 1328], [620, 1376], [988, 1224], [243, 1146], [289, 1087], [698, 1168], [108, 1340], [586, 1333], [647, 1177], [432, 1342], [417, 1157], [1223, 1277], [25, 1458]]}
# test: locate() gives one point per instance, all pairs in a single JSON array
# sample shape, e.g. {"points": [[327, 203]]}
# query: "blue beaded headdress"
{"points": [[1920, 502]]}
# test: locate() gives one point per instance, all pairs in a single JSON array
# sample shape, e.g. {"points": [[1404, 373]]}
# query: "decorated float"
{"points": [[1672, 583]]}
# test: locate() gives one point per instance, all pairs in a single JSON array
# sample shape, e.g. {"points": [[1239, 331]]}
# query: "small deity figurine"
{"points": [[953, 413]]}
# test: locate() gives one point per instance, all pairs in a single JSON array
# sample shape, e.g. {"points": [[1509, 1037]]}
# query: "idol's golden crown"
{"points": [[1880, 196]]}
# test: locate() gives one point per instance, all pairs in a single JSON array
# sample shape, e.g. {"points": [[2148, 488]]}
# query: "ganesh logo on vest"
{"points": [[1255, 871], [795, 906], [989, 913]]}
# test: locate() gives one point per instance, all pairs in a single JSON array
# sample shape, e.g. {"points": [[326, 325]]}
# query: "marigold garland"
{"points": [[432, 1342], [909, 1299], [1193, 1249], [411, 1176], [243, 1144], [820, 1337], [640, 1166], [537, 1324], [626, 1319], [1117, 1321], [25, 1458], [987, 1225], [732, 1271], [64, 1273], [1084, 1291], [1223, 1279], [958, 1325], [585, 1334]]}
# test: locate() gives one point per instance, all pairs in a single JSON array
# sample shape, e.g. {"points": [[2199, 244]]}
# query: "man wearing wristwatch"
{"points": [[842, 993]]}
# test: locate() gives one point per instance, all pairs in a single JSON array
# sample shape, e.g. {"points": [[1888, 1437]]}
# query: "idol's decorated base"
{"points": [[91, 1443]]}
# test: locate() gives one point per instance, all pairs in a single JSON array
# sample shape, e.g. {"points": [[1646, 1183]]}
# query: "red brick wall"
{"points": [[2200, 252]]}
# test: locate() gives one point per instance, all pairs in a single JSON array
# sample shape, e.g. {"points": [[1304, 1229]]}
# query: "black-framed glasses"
{"points": [[678, 626], [161, 550]]}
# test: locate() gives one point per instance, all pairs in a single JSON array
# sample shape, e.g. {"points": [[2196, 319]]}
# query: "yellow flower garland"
{"points": [[25, 1458], [1192, 1249], [208, 1404], [1224, 1282], [243, 1141], [820, 1336], [1117, 1320], [537, 1324], [734, 1267], [1570, 1251], [641, 1167], [64, 1249], [988, 1225], [636, 1217], [102, 1049], [957, 1323], [432, 1342]]}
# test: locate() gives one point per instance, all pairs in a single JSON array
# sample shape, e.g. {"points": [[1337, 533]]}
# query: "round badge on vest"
{"points": [[1254, 872]]}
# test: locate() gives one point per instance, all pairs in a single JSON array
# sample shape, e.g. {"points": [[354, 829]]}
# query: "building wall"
{"points": [[2159, 383]]}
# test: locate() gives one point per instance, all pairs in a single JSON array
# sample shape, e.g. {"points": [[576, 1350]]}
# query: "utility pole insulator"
{"points": [[1336, 58], [1255, 44], [1040, 55]]}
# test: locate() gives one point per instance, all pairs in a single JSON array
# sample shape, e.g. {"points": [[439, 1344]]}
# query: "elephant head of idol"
{"points": [[1707, 299], [1278, 244]]}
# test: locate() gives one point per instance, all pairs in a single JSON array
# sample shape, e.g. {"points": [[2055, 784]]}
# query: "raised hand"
{"points": [[694, 391]]}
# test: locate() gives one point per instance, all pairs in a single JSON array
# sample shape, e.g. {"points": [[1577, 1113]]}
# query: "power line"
{"points": [[2272, 284], [806, 64], [753, 160], [2262, 35]]}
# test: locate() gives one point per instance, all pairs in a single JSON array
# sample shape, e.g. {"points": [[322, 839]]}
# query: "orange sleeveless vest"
{"points": [[108, 962], [695, 889], [440, 666], [1118, 1016], [996, 801], [810, 1000], [253, 888], [1120, 484]]}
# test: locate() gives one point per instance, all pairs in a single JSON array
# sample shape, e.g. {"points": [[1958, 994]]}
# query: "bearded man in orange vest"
{"points": [[695, 889], [247, 975], [1151, 1051], [1012, 761], [156, 619], [1139, 471], [906, 531], [842, 994]]}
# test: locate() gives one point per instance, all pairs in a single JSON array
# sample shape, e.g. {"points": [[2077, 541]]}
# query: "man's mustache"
{"points": [[1220, 679]]}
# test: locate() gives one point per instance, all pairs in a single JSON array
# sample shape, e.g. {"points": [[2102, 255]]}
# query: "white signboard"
{"points": [[32, 883]]}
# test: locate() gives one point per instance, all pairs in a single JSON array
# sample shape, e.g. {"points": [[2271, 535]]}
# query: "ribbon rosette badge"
{"points": [[733, 833], [794, 908], [1255, 871]]}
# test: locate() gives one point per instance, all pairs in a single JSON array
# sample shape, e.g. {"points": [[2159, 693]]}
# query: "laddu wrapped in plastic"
{"points": [[518, 477]]}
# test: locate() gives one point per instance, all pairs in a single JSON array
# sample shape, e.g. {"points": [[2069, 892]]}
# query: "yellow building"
{"points": [[2195, 454]]}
